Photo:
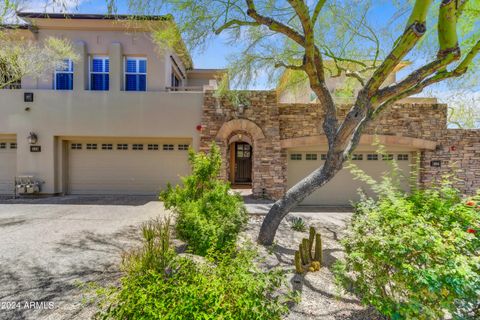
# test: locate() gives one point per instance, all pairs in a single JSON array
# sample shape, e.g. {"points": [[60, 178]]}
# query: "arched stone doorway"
{"points": [[240, 141], [240, 164]]}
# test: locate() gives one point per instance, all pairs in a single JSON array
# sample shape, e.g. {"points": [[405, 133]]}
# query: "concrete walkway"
{"points": [[47, 250]]}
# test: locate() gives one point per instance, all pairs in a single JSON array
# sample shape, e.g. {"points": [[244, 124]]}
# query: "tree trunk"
{"points": [[294, 196]]}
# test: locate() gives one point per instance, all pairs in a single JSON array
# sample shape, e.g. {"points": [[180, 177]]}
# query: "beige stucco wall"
{"points": [[55, 115], [116, 45]]}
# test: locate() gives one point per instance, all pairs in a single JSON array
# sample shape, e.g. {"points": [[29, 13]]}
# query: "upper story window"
{"points": [[135, 74], [63, 79], [99, 73]]}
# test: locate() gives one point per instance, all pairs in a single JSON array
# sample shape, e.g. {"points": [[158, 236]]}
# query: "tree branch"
{"points": [[273, 24], [461, 69], [415, 30], [317, 10], [235, 22], [289, 66]]}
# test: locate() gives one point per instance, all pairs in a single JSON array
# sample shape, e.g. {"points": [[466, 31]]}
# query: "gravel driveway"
{"points": [[48, 246]]}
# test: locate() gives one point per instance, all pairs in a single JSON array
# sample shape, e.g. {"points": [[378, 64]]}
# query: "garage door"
{"points": [[8, 166], [343, 189], [125, 167]]}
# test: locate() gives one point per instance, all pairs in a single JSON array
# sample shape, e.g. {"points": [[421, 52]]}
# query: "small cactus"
{"points": [[298, 262], [305, 259]]}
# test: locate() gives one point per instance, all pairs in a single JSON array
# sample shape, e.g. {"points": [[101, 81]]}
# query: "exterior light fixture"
{"points": [[32, 138], [240, 136]]}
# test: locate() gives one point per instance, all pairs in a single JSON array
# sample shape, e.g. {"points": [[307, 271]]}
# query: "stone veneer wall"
{"points": [[283, 121], [269, 161], [422, 120], [458, 151]]}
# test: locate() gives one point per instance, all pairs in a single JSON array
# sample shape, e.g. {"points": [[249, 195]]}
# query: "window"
{"points": [[168, 147], [3, 145], [153, 147], [311, 156], [357, 157], [296, 156], [99, 74], [176, 80], [402, 157], [63, 77], [372, 156], [135, 74], [137, 146], [387, 157], [91, 146], [183, 147], [13, 145], [107, 146], [323, 157], [76, 146], [122, 146]]}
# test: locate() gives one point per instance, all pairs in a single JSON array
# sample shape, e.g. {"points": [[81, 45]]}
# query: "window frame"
{"points": [[296, 157], [137, 63], [90, 72], [311, 156], [70, 70]]}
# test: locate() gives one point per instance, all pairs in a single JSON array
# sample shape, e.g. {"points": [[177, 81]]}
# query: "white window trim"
{"points": [[70, 67], [125, 73], [90, 61]]}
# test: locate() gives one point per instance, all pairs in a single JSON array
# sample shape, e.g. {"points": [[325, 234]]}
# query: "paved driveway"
{"points": [[48, 246]]}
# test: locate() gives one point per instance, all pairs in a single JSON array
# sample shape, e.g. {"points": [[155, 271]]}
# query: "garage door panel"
{"points": [[8, 166], [125, 171], [343, 188]]}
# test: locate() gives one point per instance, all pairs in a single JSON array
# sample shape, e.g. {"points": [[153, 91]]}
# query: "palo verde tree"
{"points": [[21, 57], [301, 35]]}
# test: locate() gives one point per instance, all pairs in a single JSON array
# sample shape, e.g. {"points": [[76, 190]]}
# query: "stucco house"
{"points": [[121, 118]]}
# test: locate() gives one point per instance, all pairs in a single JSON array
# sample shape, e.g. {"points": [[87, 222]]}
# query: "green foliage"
{"points": [[155, 254], [25, 58], [209, 217], [298, 224], [415, 256], [158, 284]]}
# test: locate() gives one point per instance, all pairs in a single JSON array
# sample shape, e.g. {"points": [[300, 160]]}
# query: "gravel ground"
{"points": [[320, 297]]}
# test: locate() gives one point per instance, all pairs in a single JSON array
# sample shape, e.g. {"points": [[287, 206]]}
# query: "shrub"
{"points": [[298, 224], [415, 256], [226, 285], [208, 216]]}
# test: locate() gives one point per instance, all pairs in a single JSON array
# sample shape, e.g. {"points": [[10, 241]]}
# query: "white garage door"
{"points": [[122, 167], [8, 165], [343, 189]]}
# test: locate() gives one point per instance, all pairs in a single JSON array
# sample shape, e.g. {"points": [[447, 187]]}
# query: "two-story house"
{"points": [[120, 119]]}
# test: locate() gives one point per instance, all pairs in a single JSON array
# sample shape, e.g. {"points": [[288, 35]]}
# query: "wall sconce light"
{"points": [[240, 136], [32, 138]]}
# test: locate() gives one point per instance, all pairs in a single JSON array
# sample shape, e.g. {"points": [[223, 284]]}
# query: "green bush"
{"points": [[208, 216], [415, 256], [228, 285]]}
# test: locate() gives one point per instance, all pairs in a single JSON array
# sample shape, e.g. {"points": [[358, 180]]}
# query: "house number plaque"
{"points": [[35, 148]]}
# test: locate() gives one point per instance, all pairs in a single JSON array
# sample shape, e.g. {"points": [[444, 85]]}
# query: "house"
{"points": [[121, 119]]}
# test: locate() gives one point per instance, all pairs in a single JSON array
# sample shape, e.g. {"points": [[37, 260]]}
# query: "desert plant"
{"points": [[298, 224], [228, 285], [415, 256], [208, 215], [305, 259]]}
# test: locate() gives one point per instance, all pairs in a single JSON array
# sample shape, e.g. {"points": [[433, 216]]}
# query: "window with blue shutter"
{"points": [[99, 74], [63, 78], [135, 74]]}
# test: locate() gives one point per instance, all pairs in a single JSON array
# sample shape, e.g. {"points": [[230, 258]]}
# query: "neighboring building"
{"points": [[121, 118]]}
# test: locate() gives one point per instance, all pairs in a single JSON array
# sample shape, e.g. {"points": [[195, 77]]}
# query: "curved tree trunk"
{"points": [[294, 196]]}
